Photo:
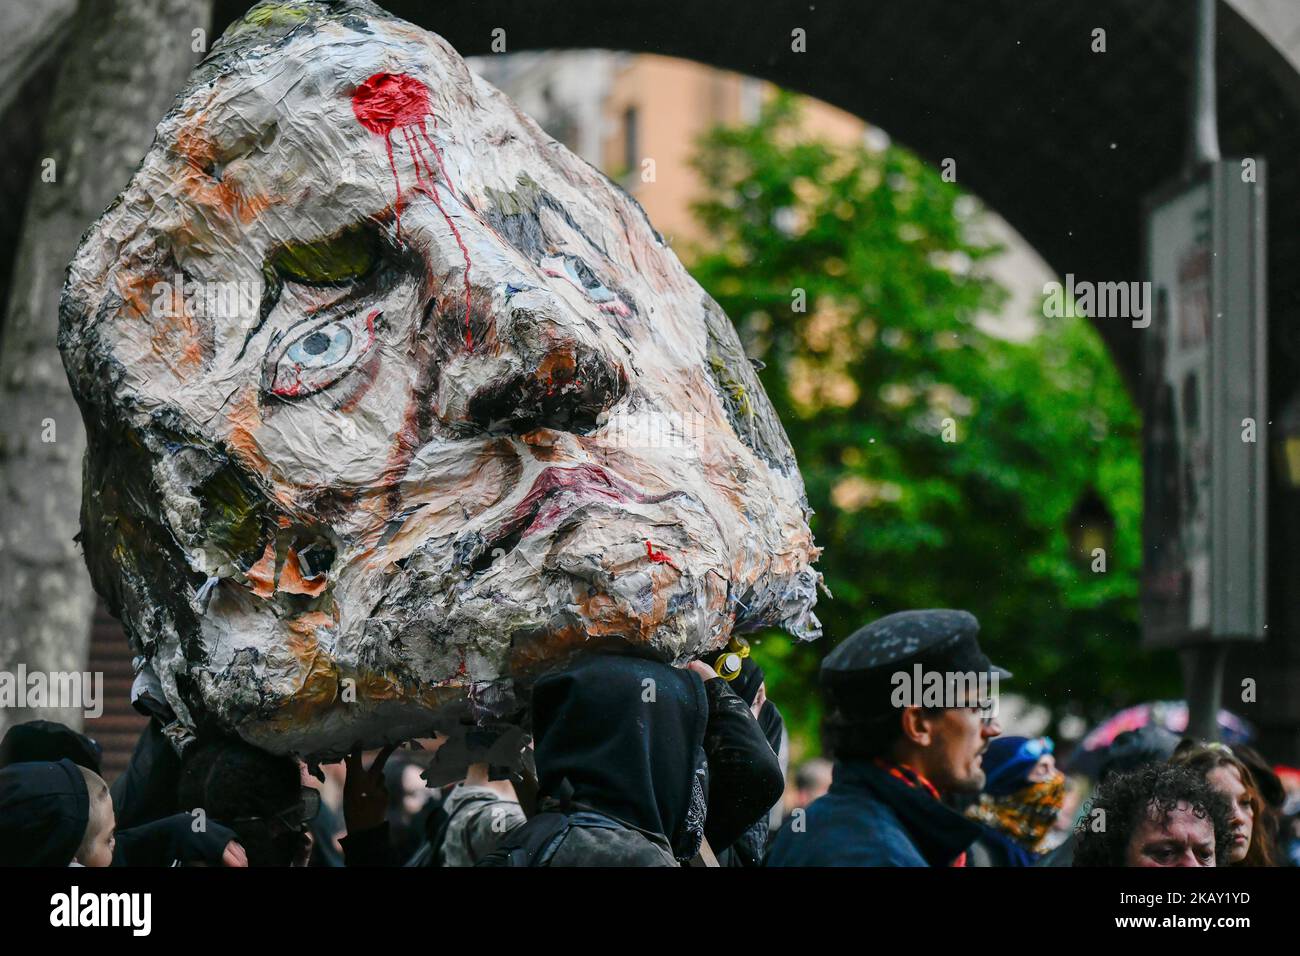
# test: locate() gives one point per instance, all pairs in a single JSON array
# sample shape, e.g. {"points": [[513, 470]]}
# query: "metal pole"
{"points": [[1203, 665], [1205, 111], [1203, 678]]}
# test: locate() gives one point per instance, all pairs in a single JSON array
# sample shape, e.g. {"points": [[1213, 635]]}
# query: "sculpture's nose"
{"points": [[564, 385], [540, 362]]}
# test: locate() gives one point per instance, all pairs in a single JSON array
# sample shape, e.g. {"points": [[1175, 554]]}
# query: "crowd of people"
{"points": [[633, 762]]}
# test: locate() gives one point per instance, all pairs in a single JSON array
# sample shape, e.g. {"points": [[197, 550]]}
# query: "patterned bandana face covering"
{"points": [[687, 842], [1025, 815]]}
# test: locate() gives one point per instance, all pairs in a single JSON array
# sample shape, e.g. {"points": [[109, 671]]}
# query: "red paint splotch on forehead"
{"points": [[388, 102]]}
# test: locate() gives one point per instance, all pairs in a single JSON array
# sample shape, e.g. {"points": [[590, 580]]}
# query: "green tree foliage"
{"points": [[886, 364]]}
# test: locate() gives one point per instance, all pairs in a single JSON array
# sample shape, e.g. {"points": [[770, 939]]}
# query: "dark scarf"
{"points": [[626, 735], [938, 831]]}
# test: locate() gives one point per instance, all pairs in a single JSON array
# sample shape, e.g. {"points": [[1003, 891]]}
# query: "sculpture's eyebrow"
{"points": [[517, 217], [345, 257], [316, 308], [334, 260]]}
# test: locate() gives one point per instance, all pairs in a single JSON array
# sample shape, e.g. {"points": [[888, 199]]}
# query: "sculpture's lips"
{"points": [[558, 491]]}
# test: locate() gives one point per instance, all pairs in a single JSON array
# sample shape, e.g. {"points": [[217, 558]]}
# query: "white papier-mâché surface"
{"points": [[392, 400]]}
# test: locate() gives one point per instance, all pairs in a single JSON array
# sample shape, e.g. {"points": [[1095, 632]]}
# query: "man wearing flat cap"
{"points": [[910, 704]]}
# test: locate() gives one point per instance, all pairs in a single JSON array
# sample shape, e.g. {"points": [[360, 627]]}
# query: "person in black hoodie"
{"points": [[259, 794], [33, 756], [45, 811], [750, 686], [637, 763], [146, 790]]}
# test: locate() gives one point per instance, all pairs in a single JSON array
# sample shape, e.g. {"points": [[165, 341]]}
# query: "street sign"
{"points": [[1204, 401]]}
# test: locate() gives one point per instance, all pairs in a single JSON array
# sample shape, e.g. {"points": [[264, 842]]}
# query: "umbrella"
{"points": [[1170, 715]]}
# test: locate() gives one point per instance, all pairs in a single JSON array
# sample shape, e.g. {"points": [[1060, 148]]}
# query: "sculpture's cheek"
{"points": [[225, 198], [243, 422]]}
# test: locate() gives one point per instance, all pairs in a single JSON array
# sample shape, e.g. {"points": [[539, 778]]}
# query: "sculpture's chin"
{"points": [[331, 709], [419, 669], [438, 630], [649, 573]]}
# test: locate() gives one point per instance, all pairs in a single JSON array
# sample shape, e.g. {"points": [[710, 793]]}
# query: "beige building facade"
{"points": [[638, 118]]}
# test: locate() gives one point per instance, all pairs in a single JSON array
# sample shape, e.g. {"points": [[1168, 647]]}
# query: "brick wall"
{"points": [[118, 727]]}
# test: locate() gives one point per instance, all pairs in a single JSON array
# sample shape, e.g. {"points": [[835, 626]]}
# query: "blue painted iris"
{"points": [[322, 355], [324, 346]]}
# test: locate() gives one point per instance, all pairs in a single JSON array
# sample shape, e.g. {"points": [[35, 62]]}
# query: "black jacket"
{"points": [[146, 790], [868, 818], [642, 758], [745, 777], [751, 846]]}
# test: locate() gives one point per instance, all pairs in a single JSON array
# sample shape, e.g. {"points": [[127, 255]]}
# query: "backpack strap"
{"points": [[704, 856], [430, 851], [532, 844]]}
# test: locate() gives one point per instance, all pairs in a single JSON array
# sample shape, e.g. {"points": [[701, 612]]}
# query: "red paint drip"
{"points": [[418, 157], [437, 154], [411, 147], [389, 101], [658, 557], [386, 102], [397, 182]]}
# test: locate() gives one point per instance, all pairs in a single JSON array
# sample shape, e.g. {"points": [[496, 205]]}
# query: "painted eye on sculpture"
{"points": [[325, 346], [319, 357], [579, 273]]}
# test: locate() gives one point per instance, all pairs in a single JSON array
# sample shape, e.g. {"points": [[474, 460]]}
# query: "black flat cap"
{"points": [[859, 673]]}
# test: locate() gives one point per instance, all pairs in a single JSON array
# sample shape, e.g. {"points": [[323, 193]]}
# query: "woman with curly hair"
{"points": [[1157, 815], [1250, 843]]}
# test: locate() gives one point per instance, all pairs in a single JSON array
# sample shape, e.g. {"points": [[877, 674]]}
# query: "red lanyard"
{"points": [[901, 771]]}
